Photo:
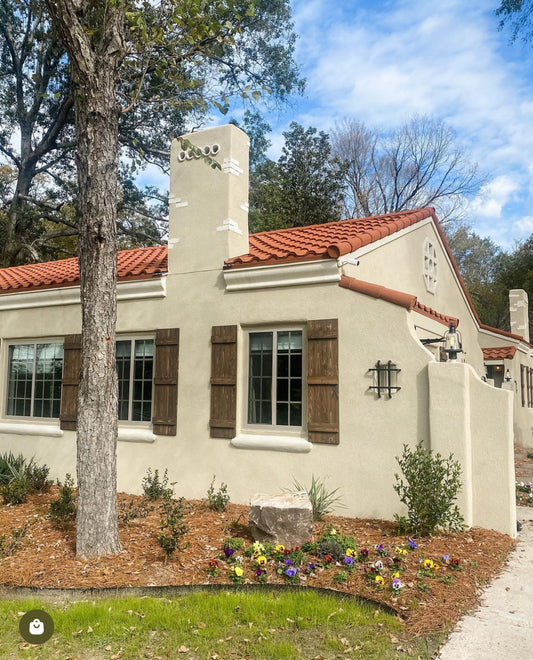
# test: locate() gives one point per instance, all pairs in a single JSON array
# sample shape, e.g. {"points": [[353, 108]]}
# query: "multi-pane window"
{"points": [[135, 364], [275, 378], [34, 380]]}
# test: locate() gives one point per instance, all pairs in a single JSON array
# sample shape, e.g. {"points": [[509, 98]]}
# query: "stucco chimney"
{"points": [[519, 313], [208, 207]]}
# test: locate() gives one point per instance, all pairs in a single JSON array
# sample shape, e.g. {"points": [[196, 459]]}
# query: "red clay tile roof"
{"points": [[328, 241], [499, 353], [396, 297], [138, 264]]}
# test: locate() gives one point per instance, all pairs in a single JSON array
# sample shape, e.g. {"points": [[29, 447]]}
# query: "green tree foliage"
{"points": [[516, 272], [479, 261], [303, 187], [518, 15], [489, 273], [183, 59], [429, 491]]}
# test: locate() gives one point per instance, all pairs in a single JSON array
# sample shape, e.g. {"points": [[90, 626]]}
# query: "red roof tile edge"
{"points": [[399, 298], [499, 353], [132, 265], [397, 220]]}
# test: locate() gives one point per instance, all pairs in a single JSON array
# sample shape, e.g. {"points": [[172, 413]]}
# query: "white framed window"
{"points": [[135, 370], [275, 392], [35, 371], [430, 269]]}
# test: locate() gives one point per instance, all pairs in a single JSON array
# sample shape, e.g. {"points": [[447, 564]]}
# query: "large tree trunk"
{"points": [[97, 130], [93, 37]]}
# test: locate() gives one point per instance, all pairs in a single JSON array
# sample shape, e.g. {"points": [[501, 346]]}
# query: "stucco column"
{"points": [[449, 423]]}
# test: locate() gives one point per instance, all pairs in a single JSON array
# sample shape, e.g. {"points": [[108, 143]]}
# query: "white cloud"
{"points": [[492, 198], [384, 62], [524, 226]]}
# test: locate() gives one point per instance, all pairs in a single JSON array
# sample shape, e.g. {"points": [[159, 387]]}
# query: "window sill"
{"points": [[29, 428], [294, 444], [128, 434]]}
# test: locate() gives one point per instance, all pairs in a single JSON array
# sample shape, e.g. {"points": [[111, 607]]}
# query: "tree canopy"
{"points": [[182, 60], [303, 187], [418, 164], [518, 14]]}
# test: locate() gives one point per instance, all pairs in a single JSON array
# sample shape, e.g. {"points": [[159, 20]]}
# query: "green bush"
{"points": [[63, 510], [217, 501], [173, 526], [7, 463], [16, 491], [131, 511], [155, 488], [19, 479], [323, 500], [429, 491], [37, 476]]}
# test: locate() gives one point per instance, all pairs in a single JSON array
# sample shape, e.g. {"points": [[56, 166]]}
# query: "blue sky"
{"points": [[383, 62]]}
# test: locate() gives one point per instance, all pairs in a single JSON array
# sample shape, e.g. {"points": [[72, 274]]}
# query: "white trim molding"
{"points": [[28, 428], [155, 287], [294, 444], [129, 434], [297, 274]]}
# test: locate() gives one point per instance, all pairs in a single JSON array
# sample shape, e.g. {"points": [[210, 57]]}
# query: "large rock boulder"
{"points": [[285, 518]]}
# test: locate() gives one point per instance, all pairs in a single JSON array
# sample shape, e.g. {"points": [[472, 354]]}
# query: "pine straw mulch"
{"points": [[45, 557]]}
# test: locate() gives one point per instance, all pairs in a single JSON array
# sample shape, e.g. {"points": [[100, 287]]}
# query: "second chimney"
{"points": [[519, 313]]}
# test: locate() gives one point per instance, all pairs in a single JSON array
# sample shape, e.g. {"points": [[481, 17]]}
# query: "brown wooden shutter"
{"points": [[223, 419], [165, 410], [68, 416], [323, 381]]}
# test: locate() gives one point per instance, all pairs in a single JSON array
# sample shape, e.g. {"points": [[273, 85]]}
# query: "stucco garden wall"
{"points": [[474, 421]]}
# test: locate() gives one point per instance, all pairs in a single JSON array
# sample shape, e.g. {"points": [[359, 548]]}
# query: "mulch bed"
{"points": [[45, 557]]}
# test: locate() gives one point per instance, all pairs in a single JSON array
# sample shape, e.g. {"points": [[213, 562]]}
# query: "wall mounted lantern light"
{"points": [[453, 342], [386, 378], [452, 339], [508, 376]]}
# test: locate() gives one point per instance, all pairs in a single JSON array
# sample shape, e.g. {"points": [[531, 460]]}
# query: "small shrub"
{"points": [[155, 488], [131, 511], [323, 500], [63, 510], [16, 491], [173, 525], [217, 501], [37, 476], [7, 463], [332, 548], [530, 454], [341, 577], [19, 479], [429, 490]]}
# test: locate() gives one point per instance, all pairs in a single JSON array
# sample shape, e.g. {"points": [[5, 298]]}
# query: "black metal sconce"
{"points": [[508, 376], [386, 378], [452, 339]]}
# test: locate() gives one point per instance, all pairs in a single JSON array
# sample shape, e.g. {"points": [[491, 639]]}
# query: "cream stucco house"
{"points": [[274, 356]]}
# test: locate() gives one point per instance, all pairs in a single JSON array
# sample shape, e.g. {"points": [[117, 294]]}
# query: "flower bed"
{"points": [[363, 557]]}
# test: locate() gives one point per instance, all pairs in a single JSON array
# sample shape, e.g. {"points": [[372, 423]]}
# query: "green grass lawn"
{"points": [[224, 625]]}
